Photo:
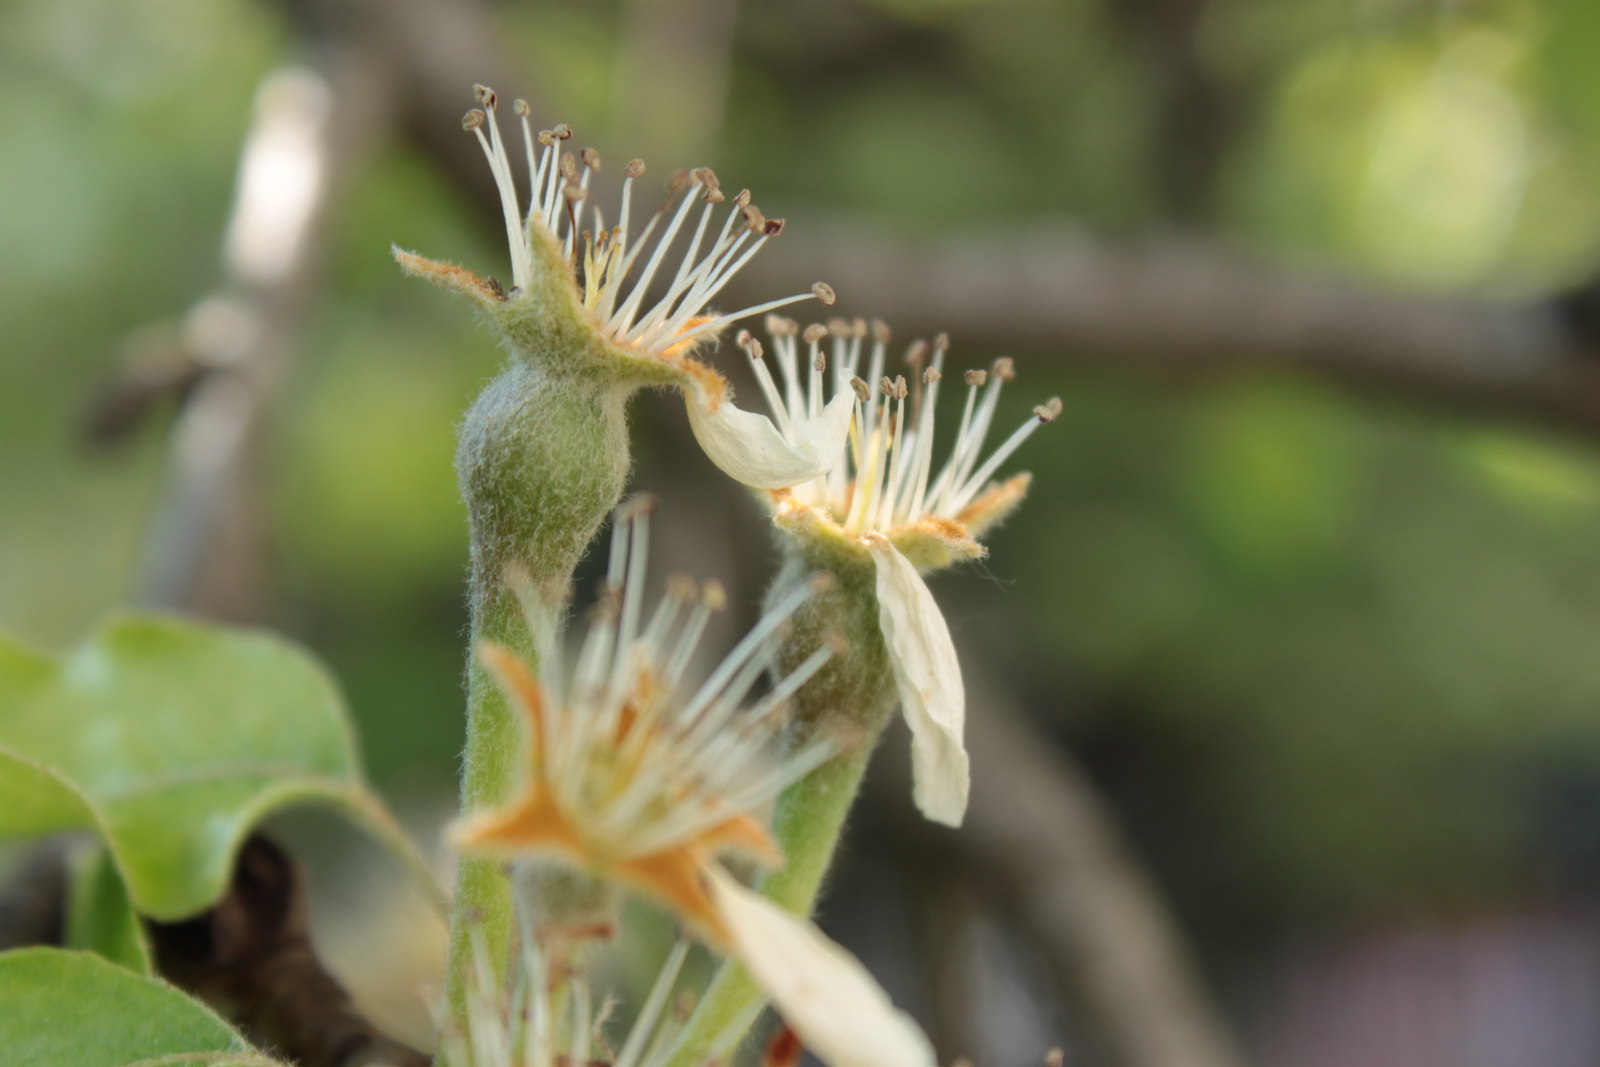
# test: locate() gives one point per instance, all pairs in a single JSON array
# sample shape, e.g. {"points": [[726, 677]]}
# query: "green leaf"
{"points": [[173, 740], [74, 1008], [100, 917]]}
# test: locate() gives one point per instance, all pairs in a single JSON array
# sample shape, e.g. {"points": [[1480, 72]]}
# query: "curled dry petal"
{"points": [[929, 679], [839, 1011], [751, 449]]}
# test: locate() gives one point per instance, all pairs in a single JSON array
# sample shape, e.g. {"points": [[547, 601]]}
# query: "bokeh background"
{"points": [[1296, 646]]}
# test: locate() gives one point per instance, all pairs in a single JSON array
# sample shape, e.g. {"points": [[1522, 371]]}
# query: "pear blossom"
{"points": [[617, 276], [887, 503], [635, 778]]}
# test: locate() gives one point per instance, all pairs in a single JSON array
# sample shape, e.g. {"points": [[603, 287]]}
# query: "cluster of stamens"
{"points": [[560, 205], [886, 479], [522, 1024], [634, 765]]}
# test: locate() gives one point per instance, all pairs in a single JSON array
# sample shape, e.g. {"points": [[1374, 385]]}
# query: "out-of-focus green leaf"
{"points": [[73, 1009], [100, 917], [172, 740]]}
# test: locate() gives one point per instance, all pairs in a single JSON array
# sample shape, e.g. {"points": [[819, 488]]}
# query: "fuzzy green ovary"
{"points": [[850, 698], [542, 459]]}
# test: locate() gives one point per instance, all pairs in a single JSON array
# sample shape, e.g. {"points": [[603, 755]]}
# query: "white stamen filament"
{"points": [[618, 304], [633, 765], [885, 478]]}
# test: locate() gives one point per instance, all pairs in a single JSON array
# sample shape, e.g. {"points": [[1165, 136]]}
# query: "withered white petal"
{"points": [[838, 1010], [929, 679], [750, 448]]}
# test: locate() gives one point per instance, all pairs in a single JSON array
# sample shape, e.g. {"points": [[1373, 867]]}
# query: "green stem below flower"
{"points": [[483, 898], [807, 822]]}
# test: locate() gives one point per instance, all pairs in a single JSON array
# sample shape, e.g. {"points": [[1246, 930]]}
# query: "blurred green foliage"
{"points": [[1342, 655]]}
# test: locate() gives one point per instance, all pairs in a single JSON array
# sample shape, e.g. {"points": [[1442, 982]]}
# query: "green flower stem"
{"points": [[806, 822], [851, 698], [542, 459], [483, 898]]}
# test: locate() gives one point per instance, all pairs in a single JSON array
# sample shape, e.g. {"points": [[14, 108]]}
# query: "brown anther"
{"points": [[754, 348], [682, 588], [743, 199], [546, 137], [493, 285], [742, 338], [562, 130], [713, 596], [1004, 368], [886, 387], [863, 390], [839, 327], [917, 353], [591, 158], [942, 341], [754, 220], [676, 181], [778, 326], [976, 377], [772, 228], [634, 169], [858, 329], [930, 376], [484, 95], [824, 292], [1050, 410], [473, 119], [714, 196], [574, 193], [823, 582], [880, 331], [520, 107], [900, 390], [569, 166], [821, 362], [814, 333], [707, 177]]}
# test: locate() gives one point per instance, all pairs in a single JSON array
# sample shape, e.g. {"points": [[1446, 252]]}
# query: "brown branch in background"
{"points": [[1196, 118], [1191, 309], [1039, 840], [251, 956], [1169, 308], [207, 550]]}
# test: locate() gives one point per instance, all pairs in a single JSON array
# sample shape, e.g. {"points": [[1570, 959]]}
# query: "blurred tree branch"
{"points": [[1174, 308], [1039, 841], [207, 549], [1189, 309]]}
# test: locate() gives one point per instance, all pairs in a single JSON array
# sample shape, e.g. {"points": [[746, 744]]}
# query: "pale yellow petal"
{"points": [[929, 679], [750, 449], [838, 1010]]}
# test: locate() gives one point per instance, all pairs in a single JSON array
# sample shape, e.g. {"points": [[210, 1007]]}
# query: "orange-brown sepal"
{"points": [[449, 276]]}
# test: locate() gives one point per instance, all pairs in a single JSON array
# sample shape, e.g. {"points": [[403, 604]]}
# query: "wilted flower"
{"points": [[603, 286], [633, 779], [885, 502]]}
